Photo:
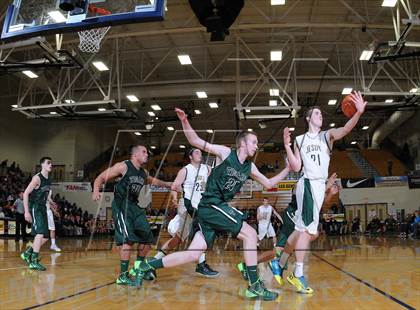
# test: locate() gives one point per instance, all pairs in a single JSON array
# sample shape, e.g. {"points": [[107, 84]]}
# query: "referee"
{"points": [[20, 218]]}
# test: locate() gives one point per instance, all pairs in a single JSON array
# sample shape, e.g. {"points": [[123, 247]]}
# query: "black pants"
{"points": [[20, 226]]}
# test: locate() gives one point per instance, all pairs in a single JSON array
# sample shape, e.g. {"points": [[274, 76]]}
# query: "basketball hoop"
{"points": [[90, 40]]}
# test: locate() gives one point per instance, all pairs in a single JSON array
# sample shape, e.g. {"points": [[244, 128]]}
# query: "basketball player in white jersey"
{"points": [[51, 206], [265, 228], [311, 155], [192, 179]]}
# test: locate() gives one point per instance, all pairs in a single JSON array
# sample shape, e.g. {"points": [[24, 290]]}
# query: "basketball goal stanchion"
{"points": [[90, 40]]}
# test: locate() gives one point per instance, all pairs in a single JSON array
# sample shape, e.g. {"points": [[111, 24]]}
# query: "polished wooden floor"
{"points": [[348, 272]]}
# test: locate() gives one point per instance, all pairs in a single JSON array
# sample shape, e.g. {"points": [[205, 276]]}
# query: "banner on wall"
{"points": [[414, 181], [391, 181], [357, 182], [72, 187], [283, 186]]}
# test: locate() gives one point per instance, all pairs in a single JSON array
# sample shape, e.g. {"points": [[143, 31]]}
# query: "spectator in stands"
{"points": [[375, 226], [2, 215], [415, 224], [390, 223], [389, 167], [355, 225]]}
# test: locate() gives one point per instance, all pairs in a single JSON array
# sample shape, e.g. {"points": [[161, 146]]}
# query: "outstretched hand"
{"points": [[181, 115], [286, 136], [359, 102]]}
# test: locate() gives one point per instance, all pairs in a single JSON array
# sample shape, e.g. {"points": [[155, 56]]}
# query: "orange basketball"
{"points": [[348, 107]]}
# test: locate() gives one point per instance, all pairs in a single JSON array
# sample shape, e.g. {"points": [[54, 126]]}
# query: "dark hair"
{"points": [[242, 135], [308, 113], [191, 150], [41, 161], [135, 147]]}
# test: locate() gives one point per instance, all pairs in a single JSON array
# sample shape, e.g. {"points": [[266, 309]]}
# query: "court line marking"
{"points": [[401, 303], [69, 296], [70, 261]]}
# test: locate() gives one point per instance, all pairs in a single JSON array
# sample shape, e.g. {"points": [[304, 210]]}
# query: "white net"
{"points": [[90, 40]]}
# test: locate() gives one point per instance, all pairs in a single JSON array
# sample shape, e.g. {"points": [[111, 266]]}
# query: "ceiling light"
{"points": [[274, 92], [278, 2], [100, 66], [389, 3], [170, 128], [132, 98], [332, 102], [69, 101], [366, 55], [276, 55], [249, 129], [101, 109], [291, 128], [201, 94], [184, 59], [247, 110], [209, 130], [137, 133], [332, 125], [365, 128], [53, 113], [346, 90], [353, 142], [14, 106], [197, 112], [151, 113], [414, 90], [57, 16], [30, 74], [213, 105], [182, 146], [156, 107], [389, 101], [272, 103], [153, 147], [149, 126]]}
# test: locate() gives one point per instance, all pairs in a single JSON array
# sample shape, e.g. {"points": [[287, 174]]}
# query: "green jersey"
{"points": [[130, 185], [40, 194], [226, 180]]}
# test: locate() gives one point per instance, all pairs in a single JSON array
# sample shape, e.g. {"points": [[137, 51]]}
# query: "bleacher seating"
{"points": [[379, 160]]}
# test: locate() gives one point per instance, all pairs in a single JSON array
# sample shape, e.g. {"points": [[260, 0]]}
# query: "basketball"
{"points": [[348, 107]]}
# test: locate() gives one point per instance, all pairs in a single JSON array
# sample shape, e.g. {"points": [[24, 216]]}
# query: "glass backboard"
{"points": [[29, 18]]}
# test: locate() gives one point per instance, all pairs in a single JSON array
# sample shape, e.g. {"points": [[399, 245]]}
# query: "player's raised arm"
{"points": [[177, 185], [293, 158], [35, 182], [360, 104], [220, 151], [108, 174], [268, 182]]}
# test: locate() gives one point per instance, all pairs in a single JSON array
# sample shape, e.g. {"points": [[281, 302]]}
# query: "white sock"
{"points": [[283, 259], [53, 243], [298, 270], [202, 258], [159, 254]]}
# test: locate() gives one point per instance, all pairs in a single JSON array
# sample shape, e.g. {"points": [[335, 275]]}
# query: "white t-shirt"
{"points": [[265, 213]]}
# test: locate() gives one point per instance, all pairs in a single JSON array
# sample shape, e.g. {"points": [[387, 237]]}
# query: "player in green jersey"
{"points": [[131, 225]]}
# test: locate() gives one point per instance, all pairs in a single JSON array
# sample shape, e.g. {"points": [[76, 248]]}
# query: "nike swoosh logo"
{"points": [[349, 184]]}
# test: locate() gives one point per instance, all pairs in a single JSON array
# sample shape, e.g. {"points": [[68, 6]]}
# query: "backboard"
{"points": [[29, 18]]}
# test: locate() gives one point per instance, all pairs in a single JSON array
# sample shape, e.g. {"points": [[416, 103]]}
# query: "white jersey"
{"points": [[195, 183], [315, 154], [265, 213]]}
